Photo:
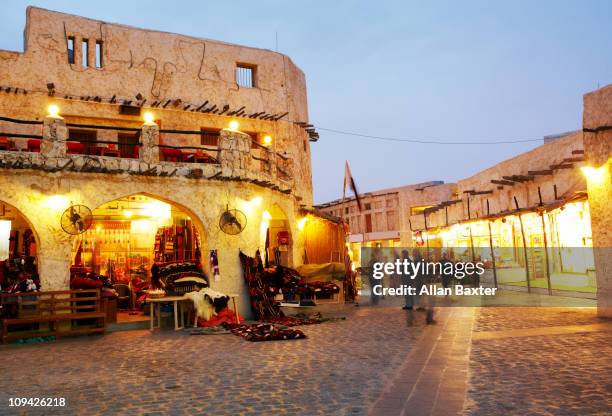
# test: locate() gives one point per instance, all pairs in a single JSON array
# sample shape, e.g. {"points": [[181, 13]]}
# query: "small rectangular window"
{"points": [[85, 52], [368, 206], [245, 75], [98, 54], [71, 50]]}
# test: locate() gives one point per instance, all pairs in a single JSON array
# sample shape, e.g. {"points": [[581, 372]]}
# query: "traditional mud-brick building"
{"points": [[540, 220], [158, 134]]}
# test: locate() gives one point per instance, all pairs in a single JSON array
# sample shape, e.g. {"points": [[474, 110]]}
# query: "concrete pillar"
{"points": [[55, 134], [597, 120], [235, 154], [149, 137]]}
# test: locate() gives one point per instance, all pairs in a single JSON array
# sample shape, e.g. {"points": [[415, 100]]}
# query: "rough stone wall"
{"points": [[160, 67], [597, 122], [30, 191]]}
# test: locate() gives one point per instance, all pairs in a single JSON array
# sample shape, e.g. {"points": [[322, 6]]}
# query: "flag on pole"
{"points": [[348, 180]]}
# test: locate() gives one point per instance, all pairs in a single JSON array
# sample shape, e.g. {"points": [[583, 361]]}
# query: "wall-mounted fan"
{"points": [[232, 221], [76, 219]]}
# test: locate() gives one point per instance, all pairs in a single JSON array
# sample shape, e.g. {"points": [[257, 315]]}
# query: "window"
{"points": [[368, 223], [368, 206], [99, 54], [245, 75], [85, 52], [209, 137], [346, 210], [71, 50]]}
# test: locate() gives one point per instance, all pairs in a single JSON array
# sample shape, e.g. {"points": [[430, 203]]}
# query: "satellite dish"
{"points": [[232, 221], [76, 219]]}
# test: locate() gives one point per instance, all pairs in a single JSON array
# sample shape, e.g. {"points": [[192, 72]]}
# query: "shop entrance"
{"points": [[18, 269], [128, 238], [276, 238]]}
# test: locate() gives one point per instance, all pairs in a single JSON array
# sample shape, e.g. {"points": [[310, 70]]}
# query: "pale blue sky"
{"points": [[472, 70]]}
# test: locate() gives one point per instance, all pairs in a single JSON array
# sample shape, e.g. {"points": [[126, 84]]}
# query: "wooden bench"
{"points": [[60, 310]]}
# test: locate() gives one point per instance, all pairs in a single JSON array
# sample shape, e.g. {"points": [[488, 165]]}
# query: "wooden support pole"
{"points": [[524, 246]]}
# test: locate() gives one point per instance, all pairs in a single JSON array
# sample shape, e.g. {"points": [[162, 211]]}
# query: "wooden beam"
{"points": [[540, 172], [573, 159], [500, 182], [562, 166]]}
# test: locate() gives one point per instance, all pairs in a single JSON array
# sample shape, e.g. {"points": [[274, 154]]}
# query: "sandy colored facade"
{"points": [[91, 70], [533, 209], [597, 124]]}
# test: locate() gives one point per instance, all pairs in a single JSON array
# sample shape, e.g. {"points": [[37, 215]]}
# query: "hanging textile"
{"points": [[214, 265], [260, 293]]}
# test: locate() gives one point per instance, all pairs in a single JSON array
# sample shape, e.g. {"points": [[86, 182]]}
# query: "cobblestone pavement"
{"points": [[488, 361], [547, 374], [339, 369]]}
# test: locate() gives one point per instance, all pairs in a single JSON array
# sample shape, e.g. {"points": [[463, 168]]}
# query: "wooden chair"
{"points": [[34, 145], [75, 148]]}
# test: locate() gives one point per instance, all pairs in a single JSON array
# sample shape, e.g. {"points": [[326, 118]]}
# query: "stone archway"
{"points": [[19, 244]]}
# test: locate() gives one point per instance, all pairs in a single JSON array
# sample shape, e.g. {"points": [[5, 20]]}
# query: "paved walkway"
{"points": [[490, 361], [433, 378]]}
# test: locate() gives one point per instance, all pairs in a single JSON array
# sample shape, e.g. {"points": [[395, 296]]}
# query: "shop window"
{"points": [[99, 62], [70, 47], [245, 75], [209, 137], [85, 52]]}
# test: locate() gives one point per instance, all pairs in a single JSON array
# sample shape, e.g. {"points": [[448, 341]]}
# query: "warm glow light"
{"points": [[127, 214], [233, 125], [57, 202], [53, 110], [594, 174], [98, 228], [267, 139], [157, 209], [302, 223], [256, 201], [149, 118], [266, 216]]}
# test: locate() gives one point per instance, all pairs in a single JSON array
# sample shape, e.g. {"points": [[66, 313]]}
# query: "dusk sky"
{"points": [[448, 71]]}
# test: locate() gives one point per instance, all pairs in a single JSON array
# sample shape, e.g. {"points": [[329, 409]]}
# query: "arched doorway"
{"points": [[275, 237], [130, 240], [18, 252]]}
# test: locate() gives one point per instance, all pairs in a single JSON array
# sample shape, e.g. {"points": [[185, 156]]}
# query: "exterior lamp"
{"points": [[57, 202], [127, 214], [267, 140], [234, 125], [302, 223], [149, 118], [594, 174], [53, 111], [266, 216]]}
